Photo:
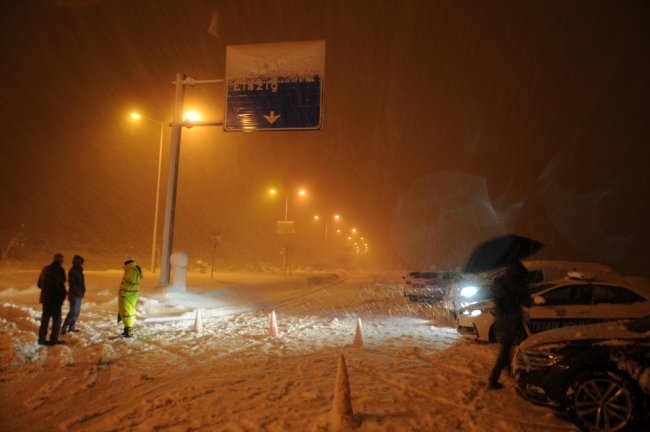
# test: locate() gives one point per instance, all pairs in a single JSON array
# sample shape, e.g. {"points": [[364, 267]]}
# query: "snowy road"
{"points": [[414, 373]]}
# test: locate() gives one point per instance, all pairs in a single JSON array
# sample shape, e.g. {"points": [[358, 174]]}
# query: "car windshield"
{"points": [[640, 325]]}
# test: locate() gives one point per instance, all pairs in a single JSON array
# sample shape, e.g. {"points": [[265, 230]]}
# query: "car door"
{"points": [[613, 302], [564, 306]]}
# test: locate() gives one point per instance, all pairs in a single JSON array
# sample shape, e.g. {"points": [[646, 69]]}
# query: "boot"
{"points": [[63, 331], [128, 332], [74, 330]]}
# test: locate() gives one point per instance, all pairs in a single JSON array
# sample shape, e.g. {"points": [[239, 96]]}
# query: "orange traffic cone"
{"points": [[198, 323], [273, 332], [358, 337], [342, 415]]}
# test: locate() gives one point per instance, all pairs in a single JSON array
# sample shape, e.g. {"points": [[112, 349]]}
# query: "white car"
{"points": [[468, 290], [478, 288], [564, 303]]}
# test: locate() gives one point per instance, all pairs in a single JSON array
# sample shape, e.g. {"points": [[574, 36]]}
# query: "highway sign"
{"points": [[288, 229], [276, 86]]}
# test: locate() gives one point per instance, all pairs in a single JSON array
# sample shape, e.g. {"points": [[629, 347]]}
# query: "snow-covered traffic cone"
{"points": [[198, 323], [273, 331], [358, 337], [342, 416]]}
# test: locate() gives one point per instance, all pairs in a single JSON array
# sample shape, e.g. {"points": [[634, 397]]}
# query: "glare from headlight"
{"points": [[468, 291], [475, 312]]}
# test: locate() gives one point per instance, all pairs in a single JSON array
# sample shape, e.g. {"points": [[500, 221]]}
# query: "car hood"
{"points": [[615, 330]]}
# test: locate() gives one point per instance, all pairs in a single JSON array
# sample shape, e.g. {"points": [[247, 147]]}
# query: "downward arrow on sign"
{"points": [[272, 117]]}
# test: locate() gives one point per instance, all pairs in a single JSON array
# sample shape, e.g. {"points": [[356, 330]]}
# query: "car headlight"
{"points": [[468, 291], [475, 312], [538, 359]]}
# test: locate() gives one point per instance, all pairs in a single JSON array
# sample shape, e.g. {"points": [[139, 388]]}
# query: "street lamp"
{"points": [[192, 116], [286, 213], [136, 116], [336, 218]]}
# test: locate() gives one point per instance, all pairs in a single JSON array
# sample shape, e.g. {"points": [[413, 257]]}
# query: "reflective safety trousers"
{"points": [[128, 294]]}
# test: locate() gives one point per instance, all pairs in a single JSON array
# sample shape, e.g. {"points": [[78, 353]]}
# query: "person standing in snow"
{"points": [[76, 291], [52, 285], [511, 294], [128, 295]]}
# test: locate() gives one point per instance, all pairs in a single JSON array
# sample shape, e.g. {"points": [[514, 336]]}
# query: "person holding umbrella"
{"points": [[511, 295], [510, 290]]}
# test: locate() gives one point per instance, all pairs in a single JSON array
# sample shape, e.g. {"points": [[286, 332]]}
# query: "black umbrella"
{"points": [[500, 252]]}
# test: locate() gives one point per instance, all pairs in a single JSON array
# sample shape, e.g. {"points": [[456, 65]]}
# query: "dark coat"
{"points": [[511, 292], [76, 282], [52, 284]]}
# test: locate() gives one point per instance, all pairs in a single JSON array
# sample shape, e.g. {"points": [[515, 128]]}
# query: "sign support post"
{"points": [[170, 207]]}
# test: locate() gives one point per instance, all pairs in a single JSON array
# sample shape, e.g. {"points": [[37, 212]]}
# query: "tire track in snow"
{"points": [[288, 302], [443, 401]]}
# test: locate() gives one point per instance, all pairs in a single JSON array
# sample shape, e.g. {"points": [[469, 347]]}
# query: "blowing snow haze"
{"points": [[445, 123]]}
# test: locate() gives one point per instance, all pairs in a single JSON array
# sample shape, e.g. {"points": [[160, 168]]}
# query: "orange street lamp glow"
{"points": [[302, 192], [354, 230], [338, 230], [192, 116], [336, 217], [272, 191], [135, 116], [315, 217]]}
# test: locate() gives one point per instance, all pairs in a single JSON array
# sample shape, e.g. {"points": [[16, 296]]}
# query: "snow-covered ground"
{"points": [[415, 373]]}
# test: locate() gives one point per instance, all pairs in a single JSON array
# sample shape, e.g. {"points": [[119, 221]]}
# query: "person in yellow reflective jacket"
{"points": [[128, 295]]}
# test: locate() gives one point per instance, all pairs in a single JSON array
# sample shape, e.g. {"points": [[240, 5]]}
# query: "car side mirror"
{"points": [[539, 300]]}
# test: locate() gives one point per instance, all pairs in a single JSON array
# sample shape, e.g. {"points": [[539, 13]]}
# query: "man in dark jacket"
{"points": [[52, 284], [511, 293], [76, 291]]}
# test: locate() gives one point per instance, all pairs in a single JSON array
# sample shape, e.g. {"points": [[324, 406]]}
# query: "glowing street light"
{"points": [[135, 116], [302, 192], [354, 230], [192, 116], [315, 217]]}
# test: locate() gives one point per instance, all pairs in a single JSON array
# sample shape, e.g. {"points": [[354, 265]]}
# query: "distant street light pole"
{"points": [[136, 116], [326, 223], [286, 233]]}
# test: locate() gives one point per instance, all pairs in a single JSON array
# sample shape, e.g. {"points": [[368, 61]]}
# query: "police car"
{"points": [[576, 300], [473, 289]]}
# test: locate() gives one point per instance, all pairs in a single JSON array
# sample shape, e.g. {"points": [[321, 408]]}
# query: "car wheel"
{"points": [[602, 401]]}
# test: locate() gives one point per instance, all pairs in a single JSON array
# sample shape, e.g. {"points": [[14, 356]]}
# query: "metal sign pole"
{"points": [[286, 234], [155, 218], [170, 208]]}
